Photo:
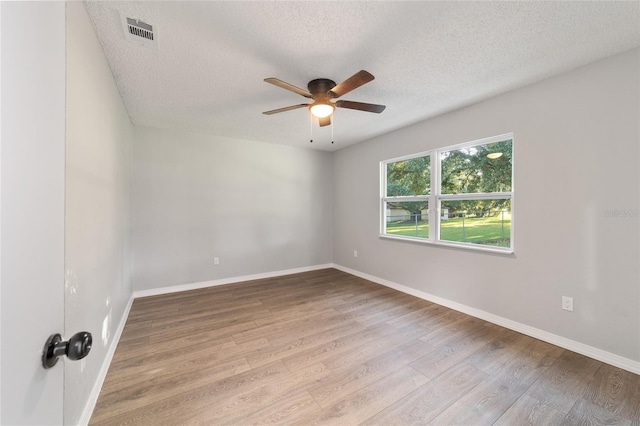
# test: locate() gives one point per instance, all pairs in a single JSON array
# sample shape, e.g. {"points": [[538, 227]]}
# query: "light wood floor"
{"points": [[327, 347]]}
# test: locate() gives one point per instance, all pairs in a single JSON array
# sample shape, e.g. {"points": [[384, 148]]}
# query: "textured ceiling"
{"points": [[428, 58]]}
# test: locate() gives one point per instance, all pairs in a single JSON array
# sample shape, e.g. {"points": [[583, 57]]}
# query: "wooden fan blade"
{"points": [[353, 82], [288, 86], [361, 106], [324, 121], [289, 108]]}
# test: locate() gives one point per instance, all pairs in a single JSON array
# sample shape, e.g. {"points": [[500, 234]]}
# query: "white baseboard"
{"points": [[223, 281], [563, 342], [102, 375]]}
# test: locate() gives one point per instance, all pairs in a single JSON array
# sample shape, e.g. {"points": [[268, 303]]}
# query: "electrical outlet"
{"points": [[216, 260], [355, 253], [567, 303]]}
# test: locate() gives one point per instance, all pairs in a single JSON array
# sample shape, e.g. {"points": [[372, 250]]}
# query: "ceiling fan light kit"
{"points": [[321, 110], [322, 91]]}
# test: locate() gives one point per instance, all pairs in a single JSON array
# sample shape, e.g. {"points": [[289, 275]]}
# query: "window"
{"points": [[464, 199], [408, 186]]}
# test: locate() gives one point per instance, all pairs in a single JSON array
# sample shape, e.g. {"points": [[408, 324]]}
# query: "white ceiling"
{"points": [[428, 58]]}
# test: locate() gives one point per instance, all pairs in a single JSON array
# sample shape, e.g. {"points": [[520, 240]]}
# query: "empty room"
{"points": [[317, 212]]}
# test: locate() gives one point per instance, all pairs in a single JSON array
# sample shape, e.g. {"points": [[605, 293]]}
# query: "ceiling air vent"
{"points": [[140, 32]]}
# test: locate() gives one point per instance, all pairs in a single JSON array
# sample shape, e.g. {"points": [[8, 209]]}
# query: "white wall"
{"points": [[98, 173], [576, 155], [257, 207]]}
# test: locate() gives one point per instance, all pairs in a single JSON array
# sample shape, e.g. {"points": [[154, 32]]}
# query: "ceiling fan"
{"points": [[323, 92]]}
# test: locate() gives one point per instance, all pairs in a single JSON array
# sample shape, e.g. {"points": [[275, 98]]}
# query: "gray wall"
{"points": [[576, 143], [99, 143], [257, 207]]}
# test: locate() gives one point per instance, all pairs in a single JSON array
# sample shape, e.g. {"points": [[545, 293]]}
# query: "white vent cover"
{"points": [[138, 31]]}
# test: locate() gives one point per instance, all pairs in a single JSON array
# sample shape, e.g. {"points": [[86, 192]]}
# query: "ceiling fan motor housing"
{"points": [[320, 86]]}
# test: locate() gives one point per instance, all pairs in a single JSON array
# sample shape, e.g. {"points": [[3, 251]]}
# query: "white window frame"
{"points": [[435, 197]]}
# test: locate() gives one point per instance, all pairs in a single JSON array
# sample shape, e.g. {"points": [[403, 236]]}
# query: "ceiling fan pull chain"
{"points": [[333, 123], [310, 128]]}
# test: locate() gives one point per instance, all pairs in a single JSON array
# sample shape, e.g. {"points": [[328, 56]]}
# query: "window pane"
{"points": [[485, 222], [409, 177], [479, 168], [409, 219]]}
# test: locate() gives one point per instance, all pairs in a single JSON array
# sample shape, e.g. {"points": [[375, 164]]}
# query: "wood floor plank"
{"points": [[616, 391], [279, 350], [456, 349], [385, 312], [448, 327], [181, 326], [397, 309], [163, 410], [372, 349], [482, 405], [203, 307], [362, 404], [177, 342], [528, 411], [493, 356], [587, 413], [373, 302], [564, 381], [350, 379], [294, 312], [309, 326], [337, 346], [312, 321], [426, 402], [161, 385], [443, 317], [132, 370], [486, 403], [430, 310], [296, 409], [235, 407], [327, 347], [532, 361]]}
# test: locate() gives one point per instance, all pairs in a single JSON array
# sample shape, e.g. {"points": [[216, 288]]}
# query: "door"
{"points": [[32, 170]]}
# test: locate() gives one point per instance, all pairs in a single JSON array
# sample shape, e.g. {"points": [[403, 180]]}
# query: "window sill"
{"points": [[472, 247]]}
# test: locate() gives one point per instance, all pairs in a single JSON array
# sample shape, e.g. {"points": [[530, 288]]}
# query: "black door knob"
{"points": [[76, 348]]}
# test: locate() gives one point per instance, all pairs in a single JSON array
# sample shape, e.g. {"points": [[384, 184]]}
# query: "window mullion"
{"points": [[383, 202], [407, 198], [434, 208], [477, 196]]}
